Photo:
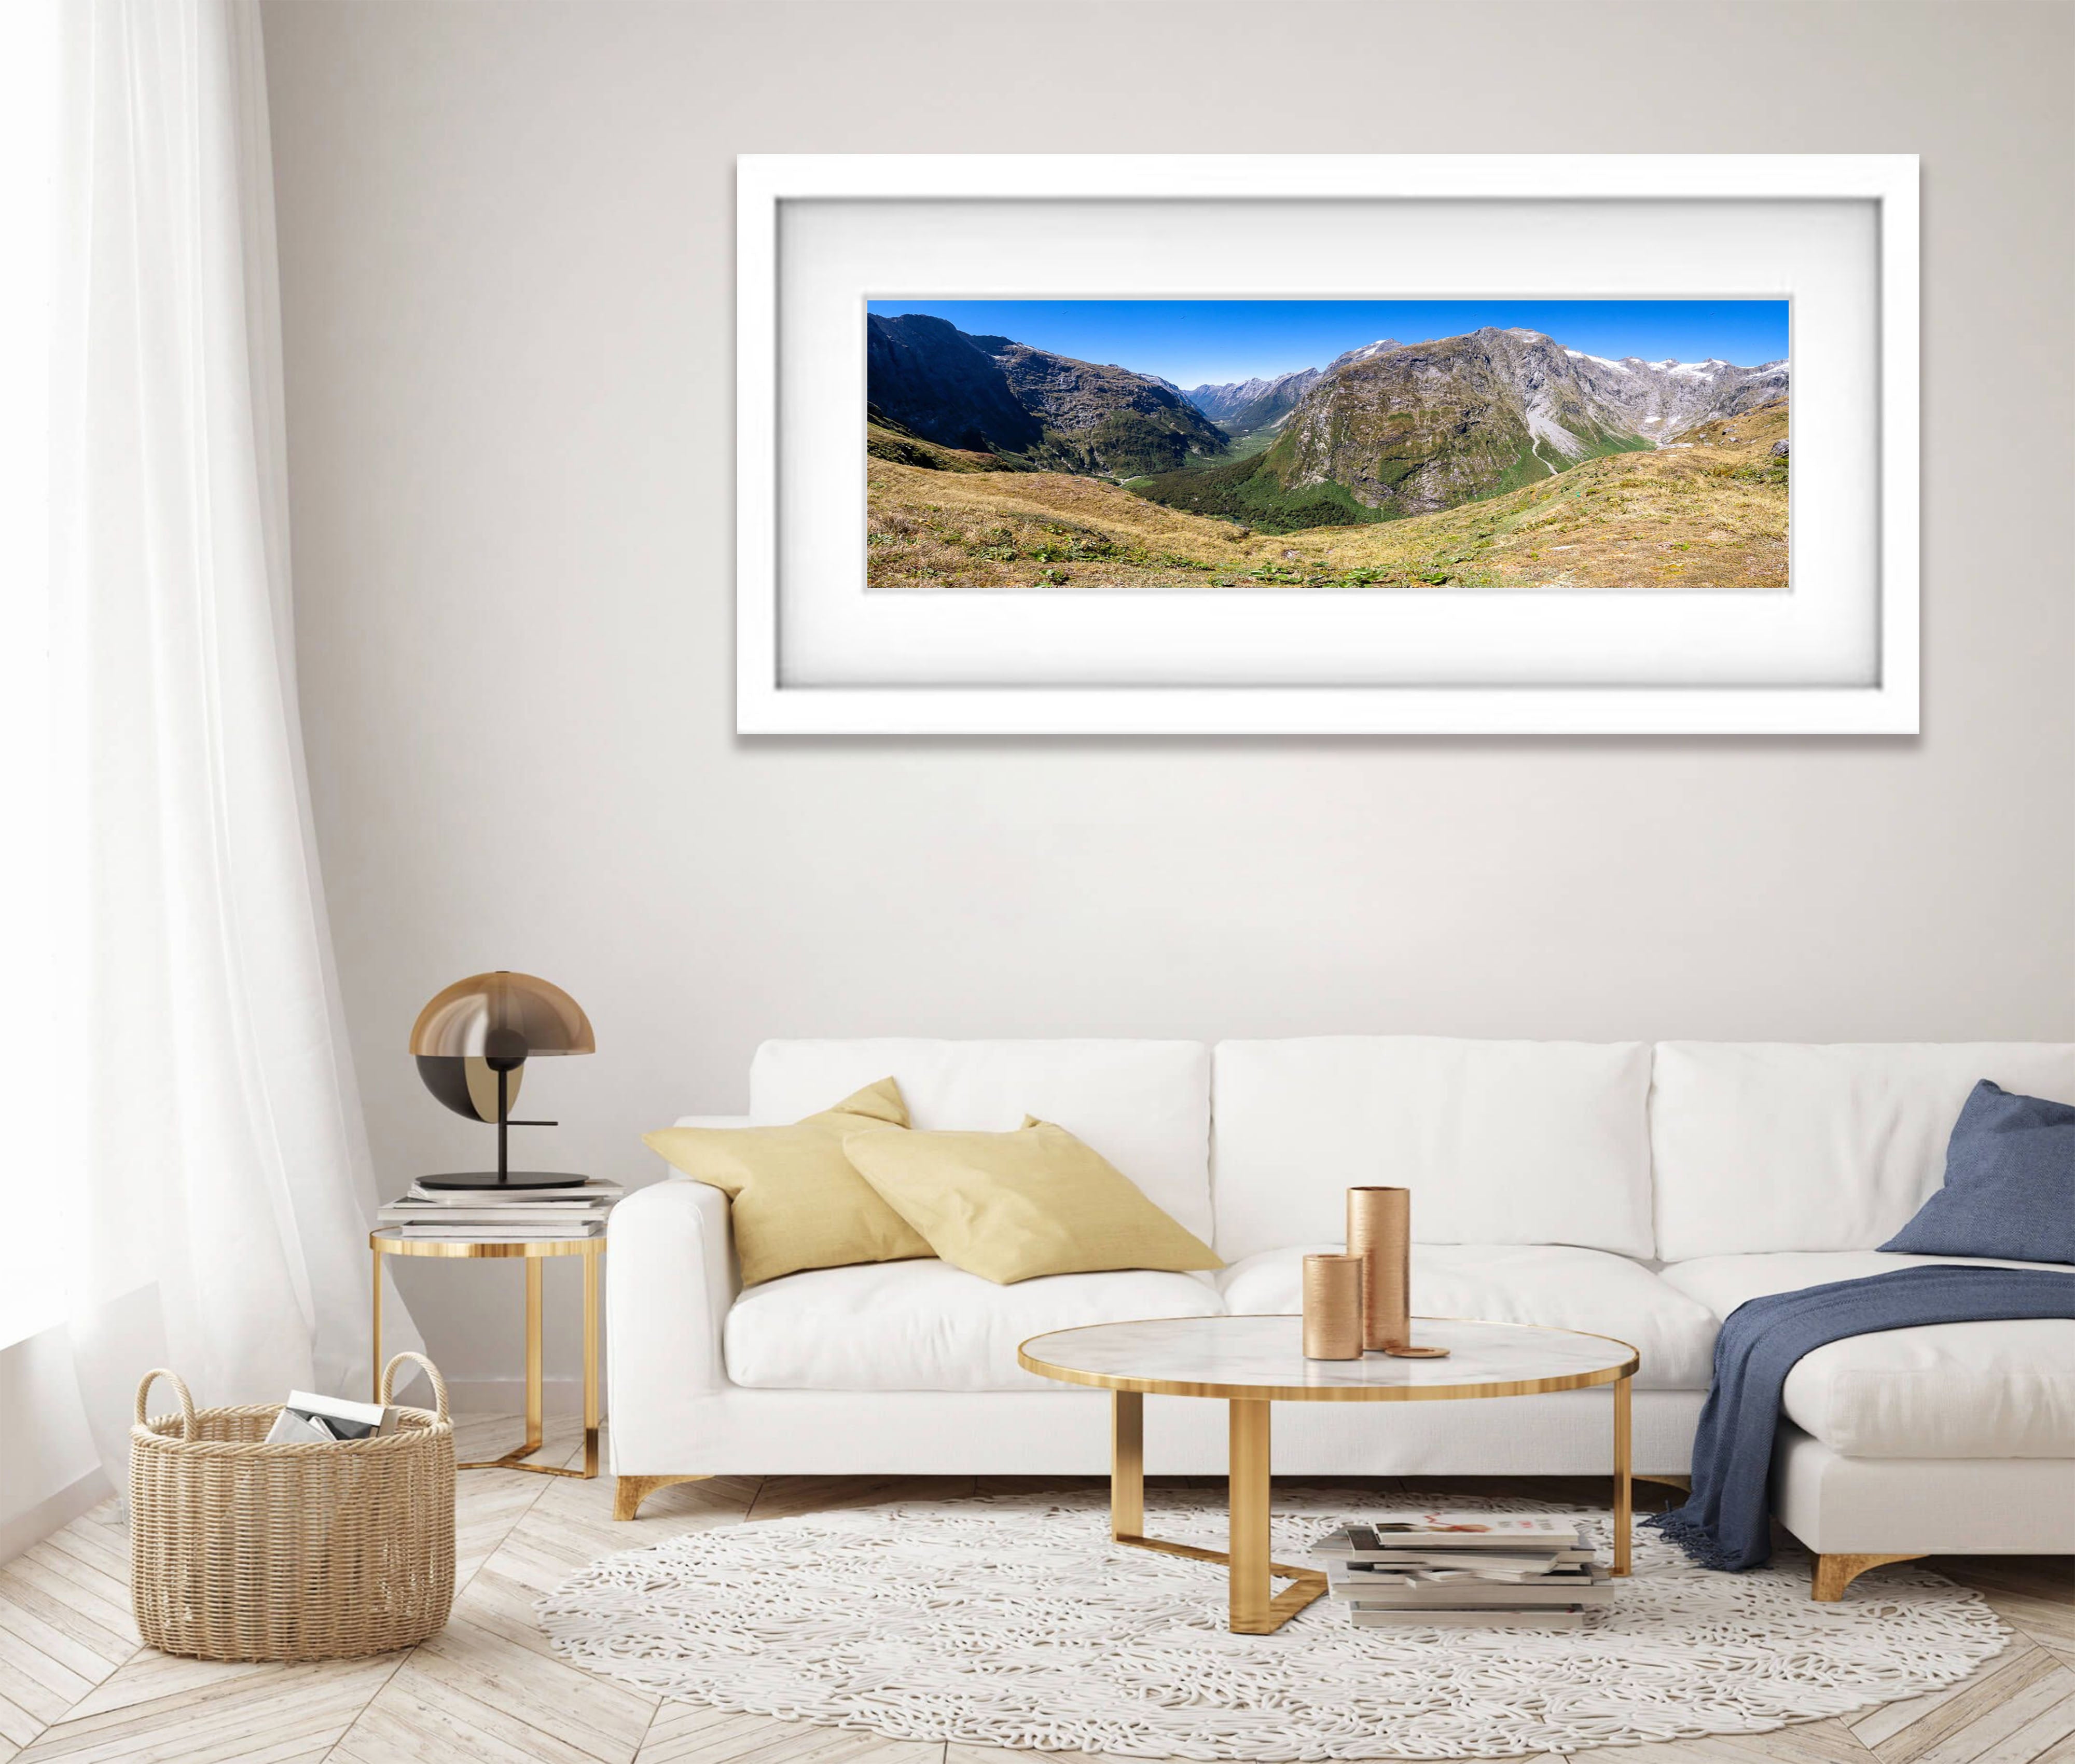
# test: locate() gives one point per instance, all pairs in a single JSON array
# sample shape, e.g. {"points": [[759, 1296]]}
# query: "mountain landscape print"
{"points": [[1086, 444]]}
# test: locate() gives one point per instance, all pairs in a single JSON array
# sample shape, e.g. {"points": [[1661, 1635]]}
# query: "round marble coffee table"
{"points": [[1253, 1361]]}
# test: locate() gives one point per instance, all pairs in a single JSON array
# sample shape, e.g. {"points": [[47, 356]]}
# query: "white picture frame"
{"points": [[1882, 699]]}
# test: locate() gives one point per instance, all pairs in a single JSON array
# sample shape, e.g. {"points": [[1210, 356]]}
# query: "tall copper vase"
{"points": [[1380, 1231]]}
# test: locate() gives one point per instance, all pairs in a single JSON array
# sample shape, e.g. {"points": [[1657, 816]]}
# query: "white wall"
{"points": [[49, 1472], [507, 257]]}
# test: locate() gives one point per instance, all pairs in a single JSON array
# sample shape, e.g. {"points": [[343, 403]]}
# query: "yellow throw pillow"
{"points": [[1010, 1207], [795, 1200]]}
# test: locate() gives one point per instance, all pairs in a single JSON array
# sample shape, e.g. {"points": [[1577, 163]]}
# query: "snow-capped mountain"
{"points": [[1662, 398], [1233, 404], [1383, 346]]}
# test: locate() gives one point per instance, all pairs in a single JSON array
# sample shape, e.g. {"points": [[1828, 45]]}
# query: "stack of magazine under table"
{"points": [[577, 1209], [1524, 1570]]}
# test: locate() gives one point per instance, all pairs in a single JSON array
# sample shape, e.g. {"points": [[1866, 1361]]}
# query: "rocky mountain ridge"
{"points": [[1425, 427], [1071, 396], [1224, 404], [987, 394], [1663, 397], [929, 377], [1417, 427], [1383, 346], [1243, 407]]}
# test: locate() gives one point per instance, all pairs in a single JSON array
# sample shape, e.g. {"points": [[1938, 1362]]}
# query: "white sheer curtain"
{"points": [[213, 1145], [29, 62]]}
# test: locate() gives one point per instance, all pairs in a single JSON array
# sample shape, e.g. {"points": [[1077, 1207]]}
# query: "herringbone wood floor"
{"points": [[75, 1685]]}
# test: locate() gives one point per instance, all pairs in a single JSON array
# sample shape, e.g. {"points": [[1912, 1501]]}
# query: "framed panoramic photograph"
{"points": [[1283, 445]]}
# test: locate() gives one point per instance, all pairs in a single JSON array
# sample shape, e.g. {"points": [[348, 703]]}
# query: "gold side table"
{"points": [[392, 1242]]}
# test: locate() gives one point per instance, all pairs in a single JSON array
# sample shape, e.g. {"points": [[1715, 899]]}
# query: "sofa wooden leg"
{"points": [[1834, 1573], [630, 1492]]}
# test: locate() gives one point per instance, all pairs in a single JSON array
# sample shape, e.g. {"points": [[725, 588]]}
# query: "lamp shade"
{"points": [[501, 1018]]}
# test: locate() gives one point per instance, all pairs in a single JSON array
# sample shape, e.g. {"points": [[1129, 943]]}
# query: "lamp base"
{"points": [[490, 1180]]}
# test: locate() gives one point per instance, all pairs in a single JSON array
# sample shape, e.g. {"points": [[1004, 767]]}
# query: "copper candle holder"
{"points": [[1380, 1233], [1332, 1307]]}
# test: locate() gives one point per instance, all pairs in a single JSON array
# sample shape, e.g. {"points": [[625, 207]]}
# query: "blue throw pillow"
{"points": [[2010, 1183]]}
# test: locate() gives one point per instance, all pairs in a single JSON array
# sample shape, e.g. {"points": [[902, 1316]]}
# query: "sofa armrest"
{"points": [[671, 1281]]}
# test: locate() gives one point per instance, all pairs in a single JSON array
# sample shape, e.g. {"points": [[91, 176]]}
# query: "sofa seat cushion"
{"points": [[1943, 1390], [928, 1325], [1589, 1289]]}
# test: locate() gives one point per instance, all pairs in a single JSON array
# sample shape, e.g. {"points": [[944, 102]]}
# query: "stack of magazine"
{"points": [[308, 1420], [577, 1209], [1525, 1571]]}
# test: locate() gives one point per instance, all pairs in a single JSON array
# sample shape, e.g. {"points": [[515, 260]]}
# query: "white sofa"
{"points": [[1633, 1190]]}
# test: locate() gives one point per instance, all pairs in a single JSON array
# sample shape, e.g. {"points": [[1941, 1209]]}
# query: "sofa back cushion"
{"points": [[1500, 1142], [1145, 1106], [1767, 1147]]}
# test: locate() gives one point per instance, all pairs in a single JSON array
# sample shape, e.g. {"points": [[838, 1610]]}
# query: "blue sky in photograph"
{"points": [[1199, 342]]}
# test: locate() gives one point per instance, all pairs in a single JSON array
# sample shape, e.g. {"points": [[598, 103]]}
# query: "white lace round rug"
{"points": [[1015, 1621]]}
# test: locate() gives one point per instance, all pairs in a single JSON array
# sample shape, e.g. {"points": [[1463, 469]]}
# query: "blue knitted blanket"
{"points": [[1725, 1520]]}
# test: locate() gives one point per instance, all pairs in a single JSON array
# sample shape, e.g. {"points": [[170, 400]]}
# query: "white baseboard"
{"points": [[25, 1530], [506, 1396]]}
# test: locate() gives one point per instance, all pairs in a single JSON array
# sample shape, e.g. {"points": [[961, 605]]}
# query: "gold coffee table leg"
{"points": [[1127, 1466], [1624, 1487], [1255, 1609], [1246, 1500]]}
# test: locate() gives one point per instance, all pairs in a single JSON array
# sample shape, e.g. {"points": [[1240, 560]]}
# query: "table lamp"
{"points": [[472, 1042]]}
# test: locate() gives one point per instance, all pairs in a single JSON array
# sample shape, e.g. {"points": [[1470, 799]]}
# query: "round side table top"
{"points": [[1264, 1357], [391, 1241]]}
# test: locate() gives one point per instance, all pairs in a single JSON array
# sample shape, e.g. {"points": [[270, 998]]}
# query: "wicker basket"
{"points": [[244, 1552]]}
